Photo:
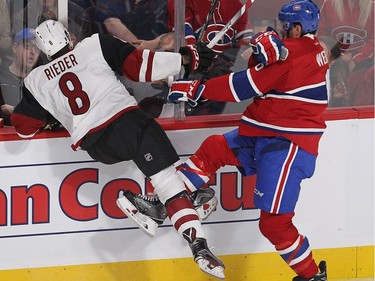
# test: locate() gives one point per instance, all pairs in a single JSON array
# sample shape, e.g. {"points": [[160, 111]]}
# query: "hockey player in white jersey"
{"points": [[80, 89]]}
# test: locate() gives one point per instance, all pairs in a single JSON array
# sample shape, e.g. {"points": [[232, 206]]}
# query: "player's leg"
{"points": [[281, 166], [185, 219], [155, 157], [114, 144], [215, 152]]}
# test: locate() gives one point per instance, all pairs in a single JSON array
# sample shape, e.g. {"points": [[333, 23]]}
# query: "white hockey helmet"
{"points": [[51, 36]]}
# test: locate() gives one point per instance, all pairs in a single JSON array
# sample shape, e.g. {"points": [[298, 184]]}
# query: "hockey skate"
{"points": [[206, 260], [321, 276], [147, 211], [204, 202]]}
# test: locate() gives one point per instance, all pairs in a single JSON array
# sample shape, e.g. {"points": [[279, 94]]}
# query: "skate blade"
{"points": [[217, 271], [145, 223], [206, 209]]}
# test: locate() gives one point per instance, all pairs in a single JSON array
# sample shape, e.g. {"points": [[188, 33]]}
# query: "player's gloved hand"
{"points": [[268, 47], [199, 56], [183, 90]]}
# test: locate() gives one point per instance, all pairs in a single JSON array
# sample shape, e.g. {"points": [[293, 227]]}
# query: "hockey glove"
{"points": [[267, 47], [199, 56], [190, 91]]}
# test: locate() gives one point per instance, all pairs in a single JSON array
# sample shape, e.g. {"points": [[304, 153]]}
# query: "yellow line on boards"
{"points": [[343, 263]]}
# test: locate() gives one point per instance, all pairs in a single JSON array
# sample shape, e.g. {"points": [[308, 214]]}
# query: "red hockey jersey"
{"points": [[195, 16], [289, 96]]}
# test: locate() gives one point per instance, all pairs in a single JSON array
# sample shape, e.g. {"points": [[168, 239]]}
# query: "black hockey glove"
{"points": [[199, 56]]}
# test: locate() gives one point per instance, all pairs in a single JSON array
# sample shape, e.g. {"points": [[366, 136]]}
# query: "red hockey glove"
{"points": [[267, 47], [199, 56], [189, 91]]}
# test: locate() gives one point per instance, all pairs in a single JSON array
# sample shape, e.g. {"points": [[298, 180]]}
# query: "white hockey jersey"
{"points": [[81, 90]]}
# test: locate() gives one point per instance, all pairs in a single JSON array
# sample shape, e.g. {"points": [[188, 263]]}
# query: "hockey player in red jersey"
{"points": [[279, 132], [351, 24], [195, 17], [80, 89]]}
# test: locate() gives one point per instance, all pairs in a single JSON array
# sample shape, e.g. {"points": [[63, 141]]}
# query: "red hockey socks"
{"points": [[184, 218], [292, 247]]}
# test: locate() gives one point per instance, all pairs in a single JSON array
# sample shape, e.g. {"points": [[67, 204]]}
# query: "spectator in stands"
{"points": [[338, 70], [78, 20], [25, 57], [5, 34], [131, 20], [351, 24]]}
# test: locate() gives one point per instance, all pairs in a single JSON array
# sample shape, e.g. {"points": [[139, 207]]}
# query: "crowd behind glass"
{"points": [[346, 31]]}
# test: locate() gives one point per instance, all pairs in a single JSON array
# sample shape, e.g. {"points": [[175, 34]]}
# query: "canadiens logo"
{"points": [[225, 42], [297, 7], [349, 38]]}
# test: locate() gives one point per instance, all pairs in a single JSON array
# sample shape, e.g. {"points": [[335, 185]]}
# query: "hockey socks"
{"points": [[184, 218], [299, 257], [292, 247]]}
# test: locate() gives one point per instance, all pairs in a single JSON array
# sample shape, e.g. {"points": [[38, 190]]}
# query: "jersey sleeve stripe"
{"points": [[242, 86], [144, 66], [149, 66]]}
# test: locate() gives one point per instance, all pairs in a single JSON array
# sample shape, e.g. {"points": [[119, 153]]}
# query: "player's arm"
{"points": [[147, 66], [233, 87], [28, 116], [115, 27]]}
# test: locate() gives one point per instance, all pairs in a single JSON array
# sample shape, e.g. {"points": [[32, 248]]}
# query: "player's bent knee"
{"points": [[213, 143], [215, 153]]}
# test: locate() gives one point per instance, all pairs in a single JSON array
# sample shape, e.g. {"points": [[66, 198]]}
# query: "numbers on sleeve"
{"points": [[71, 88]]}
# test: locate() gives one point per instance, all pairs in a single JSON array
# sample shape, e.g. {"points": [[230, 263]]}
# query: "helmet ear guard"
{"points": [[304, 12], [51, 36]]}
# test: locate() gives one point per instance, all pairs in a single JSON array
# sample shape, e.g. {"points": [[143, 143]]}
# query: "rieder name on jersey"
{"points": [[60, 66]]}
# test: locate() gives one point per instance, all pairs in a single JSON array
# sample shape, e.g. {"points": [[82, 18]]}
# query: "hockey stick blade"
{"points": [[232, 21]]}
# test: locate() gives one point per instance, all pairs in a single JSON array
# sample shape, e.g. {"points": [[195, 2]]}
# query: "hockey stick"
{"points": [[204, 27], [232, 21], [208, 18]]}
